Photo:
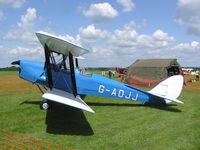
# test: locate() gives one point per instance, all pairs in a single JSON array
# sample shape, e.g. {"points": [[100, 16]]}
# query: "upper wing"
{"points": [[60, 45]]}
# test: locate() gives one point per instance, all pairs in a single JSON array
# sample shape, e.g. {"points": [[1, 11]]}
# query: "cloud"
{"points": [[90, 33], [194, 46], [101, 12], [127, 40], [123, 45], [24, 30], [13, 3], [128, 5], [162, 36], [120, 47], [188, 15], [32, 53], [125, 37], [187, 53]]}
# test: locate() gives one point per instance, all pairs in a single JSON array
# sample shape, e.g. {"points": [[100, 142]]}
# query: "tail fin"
{"points": [[169, 89]]}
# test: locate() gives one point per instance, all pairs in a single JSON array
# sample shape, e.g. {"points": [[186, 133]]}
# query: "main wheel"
{"points": [[44, 105]]}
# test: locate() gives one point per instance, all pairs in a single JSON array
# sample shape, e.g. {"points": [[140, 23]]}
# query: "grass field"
{"points": [[115, 125]]}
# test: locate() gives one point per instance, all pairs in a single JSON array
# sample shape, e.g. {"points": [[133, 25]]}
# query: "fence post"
{"points": [[5, 140], [13, 142], [21, 142], [58, 146], [38, 146], [29, 143], [49, 145], [70, 148]]}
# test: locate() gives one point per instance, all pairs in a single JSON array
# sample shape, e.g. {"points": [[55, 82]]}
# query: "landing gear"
{"points": [[44, 105]]}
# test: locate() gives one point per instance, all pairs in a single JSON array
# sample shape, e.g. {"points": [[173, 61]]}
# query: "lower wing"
{"points": [[66, 99]]}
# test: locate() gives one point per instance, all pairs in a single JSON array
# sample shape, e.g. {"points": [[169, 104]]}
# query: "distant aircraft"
{"points": [[121, 71], [67, 84]]}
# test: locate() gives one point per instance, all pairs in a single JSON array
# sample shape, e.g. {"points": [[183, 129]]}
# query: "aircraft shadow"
{"points": [[65, 120], [165, 108]]}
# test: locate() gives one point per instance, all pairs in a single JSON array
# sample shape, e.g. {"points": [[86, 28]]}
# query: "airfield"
{"points": [[116, 124]]}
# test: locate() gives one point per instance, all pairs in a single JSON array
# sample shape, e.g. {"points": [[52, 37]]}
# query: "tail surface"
{"points": [[169, 89]]}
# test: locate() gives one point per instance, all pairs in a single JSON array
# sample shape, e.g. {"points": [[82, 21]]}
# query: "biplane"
{"points": [[65, 83]]}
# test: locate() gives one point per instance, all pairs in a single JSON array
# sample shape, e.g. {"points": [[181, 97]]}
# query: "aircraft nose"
{"points": [[16, 62]]}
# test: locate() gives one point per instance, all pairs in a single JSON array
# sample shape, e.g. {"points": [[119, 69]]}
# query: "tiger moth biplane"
{"points": [[66, 84]]}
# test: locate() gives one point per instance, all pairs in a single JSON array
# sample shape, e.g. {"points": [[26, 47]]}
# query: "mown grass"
{"points": [[115, 125]]}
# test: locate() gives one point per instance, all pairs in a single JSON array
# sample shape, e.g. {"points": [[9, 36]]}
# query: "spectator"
{"points": [[110, 74], [181, 73]]}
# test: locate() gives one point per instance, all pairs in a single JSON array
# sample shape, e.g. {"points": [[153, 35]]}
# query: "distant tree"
{"points": [[13, 68]]}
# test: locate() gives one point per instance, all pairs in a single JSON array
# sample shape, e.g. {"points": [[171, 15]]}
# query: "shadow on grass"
{"points": [[65, 120], [62, 119], [165, 108], [31, 102]]}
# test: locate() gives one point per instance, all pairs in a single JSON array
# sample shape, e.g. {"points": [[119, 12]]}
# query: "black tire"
{"points": [[44, 105]]}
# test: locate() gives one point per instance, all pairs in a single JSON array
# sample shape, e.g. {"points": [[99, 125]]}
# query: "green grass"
{"points": [[115, 125], [5, 73]]}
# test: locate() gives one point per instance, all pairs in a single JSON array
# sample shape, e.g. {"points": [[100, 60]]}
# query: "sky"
{"points": [[116, 32]]}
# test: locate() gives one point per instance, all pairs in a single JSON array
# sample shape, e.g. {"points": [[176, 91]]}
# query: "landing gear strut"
{"points": [[44, 105]]}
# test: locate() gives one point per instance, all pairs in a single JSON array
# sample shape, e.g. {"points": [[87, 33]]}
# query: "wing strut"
{"points": [[64, 64], [72, 72], [76, 60], [48, 66]]}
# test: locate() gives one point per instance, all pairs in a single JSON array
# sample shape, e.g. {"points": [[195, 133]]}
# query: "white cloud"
{"points": [[194, 46], [125, 37], [25, 28], [101, 12], [120, 47], [188, 15], [27, 21], [90, 33], [128, 5], [160, 35], [128, 38], [124, 45], [33, 53], [13, 3], [187, 53]]}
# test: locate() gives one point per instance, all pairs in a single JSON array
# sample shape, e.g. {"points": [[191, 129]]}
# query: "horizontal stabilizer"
{"points": [[66, 99], [173, 100]]}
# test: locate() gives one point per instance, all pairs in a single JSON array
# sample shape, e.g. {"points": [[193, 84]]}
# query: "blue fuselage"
{"points": [[94, 84]]}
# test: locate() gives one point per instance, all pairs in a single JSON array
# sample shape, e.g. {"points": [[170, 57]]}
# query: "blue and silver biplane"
{"points": [[66, 84]]}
